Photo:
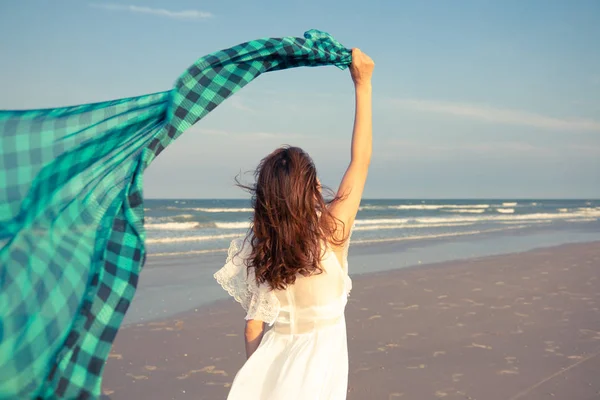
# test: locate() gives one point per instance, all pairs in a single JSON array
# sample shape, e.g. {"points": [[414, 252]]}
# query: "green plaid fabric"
{"points": [[71, 212]]}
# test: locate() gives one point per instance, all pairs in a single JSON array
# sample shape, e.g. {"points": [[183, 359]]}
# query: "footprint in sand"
{"points": [[376, 316], [442, 296], [420, 366], [473, 302], [231, 334], [440, 394], [157, 323], [456, 377], [507, 372], [395, 395], [479, 346], [438, 353], [137, 377], [477, 290], [116, 356], [411, 307], [521, 315], [209, 370], [107, 392], [150, 367]]}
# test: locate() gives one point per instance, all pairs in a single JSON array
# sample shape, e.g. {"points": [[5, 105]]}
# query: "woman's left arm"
{"points": [[253, 334]]}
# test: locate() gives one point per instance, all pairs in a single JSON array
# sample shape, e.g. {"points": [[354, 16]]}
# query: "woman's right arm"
{"points": [[353, 183]]}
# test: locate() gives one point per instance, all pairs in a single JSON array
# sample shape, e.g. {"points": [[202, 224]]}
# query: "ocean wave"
{"points": [[424, 207], [223, 210], [409, 226], [465, 210], [504, 216], [187, 253], [173, 218], [437, 206], [177, 226], [509, 204], [212, 210], [233, 225], [563, 210], [183, 239], [435, 235], [505, 210]]}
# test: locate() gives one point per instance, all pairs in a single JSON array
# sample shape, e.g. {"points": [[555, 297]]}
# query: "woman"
{"points": [[291, 271]]}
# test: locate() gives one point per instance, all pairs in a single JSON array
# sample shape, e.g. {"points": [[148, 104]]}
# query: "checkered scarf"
{"points": [[71, 212]]}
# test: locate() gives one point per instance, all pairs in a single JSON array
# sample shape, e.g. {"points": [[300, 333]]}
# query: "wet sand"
{"points": [[517, 326]]}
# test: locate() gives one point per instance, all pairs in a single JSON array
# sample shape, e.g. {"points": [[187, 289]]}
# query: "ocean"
{"points": [[187, 240], [188, 227]]}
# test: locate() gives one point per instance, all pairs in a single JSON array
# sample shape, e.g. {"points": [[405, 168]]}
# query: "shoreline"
{"points": [[365, 275], [515, 326], [171, 285]]}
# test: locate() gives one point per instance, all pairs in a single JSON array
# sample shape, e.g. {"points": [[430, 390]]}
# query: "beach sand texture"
{"points": [[510, 327]]}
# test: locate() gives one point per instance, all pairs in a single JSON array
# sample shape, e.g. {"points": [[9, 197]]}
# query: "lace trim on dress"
{"points": [[259, 302]]}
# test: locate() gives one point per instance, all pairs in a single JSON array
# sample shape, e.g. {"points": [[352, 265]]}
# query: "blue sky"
{"points": [[471, 98]]}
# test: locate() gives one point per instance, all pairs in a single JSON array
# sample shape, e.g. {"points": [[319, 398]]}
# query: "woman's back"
{"points": [[314, 301]]}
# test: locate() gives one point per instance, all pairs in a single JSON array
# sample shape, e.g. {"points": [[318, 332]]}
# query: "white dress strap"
{"points": [[259, 301]]}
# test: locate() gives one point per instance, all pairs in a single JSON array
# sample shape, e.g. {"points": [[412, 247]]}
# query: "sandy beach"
{"points": [[516, 326]]}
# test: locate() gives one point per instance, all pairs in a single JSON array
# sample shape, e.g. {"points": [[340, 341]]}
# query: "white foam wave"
{"points": [[505, 210], [465, 210], [233, 225], [409, 226], [373, 208], [435, 236], [212, 210], [437, 206], [503, 217], [173, 226], [187, 253], [223, 210], [184, 239], [509, 204], [563, 210]]}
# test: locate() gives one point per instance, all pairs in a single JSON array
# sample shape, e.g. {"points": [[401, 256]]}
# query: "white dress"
{"points": [[304, 353]]}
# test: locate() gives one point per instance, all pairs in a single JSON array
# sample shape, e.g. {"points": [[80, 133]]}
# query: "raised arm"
{"points": [[351, 188]]}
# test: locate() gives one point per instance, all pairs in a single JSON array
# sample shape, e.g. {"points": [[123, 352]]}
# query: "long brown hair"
{"points": [[291, 221]]}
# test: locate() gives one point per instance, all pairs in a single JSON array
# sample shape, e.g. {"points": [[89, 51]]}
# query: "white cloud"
{"points": [[499, 115], [185, 14], [238, 103], [415, 145]]}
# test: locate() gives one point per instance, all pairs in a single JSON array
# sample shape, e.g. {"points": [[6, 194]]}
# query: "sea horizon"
{"points": [[196, 226]]}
